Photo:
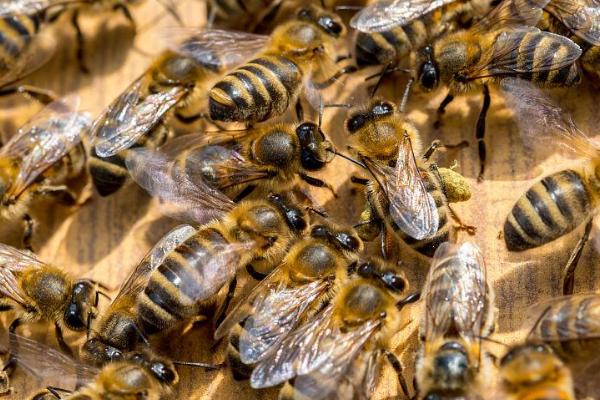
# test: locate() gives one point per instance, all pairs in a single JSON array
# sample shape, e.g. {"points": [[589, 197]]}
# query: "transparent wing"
{"points": [[317, 345], [132, 115], [456, 293], [138, 278], [540, 119], [504, 57], [566, 318], [411, 206], [274, 316], [384, 15], [165, 178], [22, 7], [581, 17], [14, 260], [510, 14], [51, 366], [44, 140], [212, 48]]}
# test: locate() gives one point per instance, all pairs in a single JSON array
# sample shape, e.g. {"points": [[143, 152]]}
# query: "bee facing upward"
{"points": [[181, 276], [39, 160], [269, 157], [306, 278], [406, 195], [339, 351], [172, 86], [37, 291], [459, 311], [298, 53]]}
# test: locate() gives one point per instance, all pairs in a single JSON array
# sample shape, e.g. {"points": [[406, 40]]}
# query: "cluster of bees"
{"points": [[321, 320]]}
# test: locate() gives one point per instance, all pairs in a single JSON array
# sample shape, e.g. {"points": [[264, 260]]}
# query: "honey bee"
{"points": [[295, 57], [37, 291], [498, 46], [39, 160], [459, 311], [339, 351], [533, 371], [390, 42], [562, 201], [180, 277], [289, 295], [590, 62], [170, 87], [408, 196], [269, 157]]}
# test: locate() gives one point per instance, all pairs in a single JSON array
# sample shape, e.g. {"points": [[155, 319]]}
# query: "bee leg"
{"points": [[127, 14], [61, 340], [55, 391], [480, 131], [299, 110], [5, 307], [388, 248], [257, 276], [569, 271], [442, 109], [13, 346], [437, 144], [42, 95], [470, 229], [395, 363], [244, 193], [80, 43], [358, 180], [27, 232], [222, 311], [333, 78], [316, 182]]}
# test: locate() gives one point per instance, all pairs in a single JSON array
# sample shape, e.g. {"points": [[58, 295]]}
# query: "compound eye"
{"points": [[383, 108], [395, 282], [74, 317], [319, 231], [330, 26], [162, 372], [355, 123], [366, 270], [304, 13], [349, 242]]}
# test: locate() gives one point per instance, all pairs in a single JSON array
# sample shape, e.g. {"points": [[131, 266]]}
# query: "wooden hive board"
{"points": [[106, 237]]}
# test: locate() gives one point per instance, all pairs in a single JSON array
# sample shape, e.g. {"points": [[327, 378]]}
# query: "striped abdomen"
{"points": [[533, 48], [590, 61], [261, 89], [110, 174], [549, 209], [239, 370], [16, 35], [171, 293], [573, 321], [428, 245]]}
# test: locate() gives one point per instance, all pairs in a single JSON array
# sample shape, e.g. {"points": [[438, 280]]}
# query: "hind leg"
{"points": [[569, 271], [480, 132]]}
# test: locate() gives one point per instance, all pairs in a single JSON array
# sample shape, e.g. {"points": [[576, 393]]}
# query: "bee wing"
{"points": [[22, 7], [318, 345], [163, 177], [540, 119], [510, 14], [139, 276], [131, 116], [274, 317], [581, 17], [504, 57], [566, 318], [213, 48], [384, 15], [456, 293], [43, 141], [14, 260], [51, 366]]}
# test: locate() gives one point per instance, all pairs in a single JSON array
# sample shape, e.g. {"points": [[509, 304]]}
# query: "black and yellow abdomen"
{"points": [[261, 89], [110, 174], [171, 294], [549, 209], [17, 33]]}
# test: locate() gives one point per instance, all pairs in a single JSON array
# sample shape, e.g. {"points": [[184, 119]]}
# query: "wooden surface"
{"points": [[106, 237]]}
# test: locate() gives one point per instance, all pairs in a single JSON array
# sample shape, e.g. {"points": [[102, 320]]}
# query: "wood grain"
{"points": [[106, 237]]}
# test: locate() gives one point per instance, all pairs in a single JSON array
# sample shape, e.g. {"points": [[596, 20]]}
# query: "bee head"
{"points": [[162, 370], [82, 305], [328, 22], [314, 147], [294, 217], [529, 363], [428, 71], [96, 351], [344, 240], [392, 280], [451, 367]]}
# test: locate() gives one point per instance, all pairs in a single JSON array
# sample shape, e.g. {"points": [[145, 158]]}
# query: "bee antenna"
{"points": [[348, 8], [348, 158], [199, 364], [487, 339], [411, 298]]}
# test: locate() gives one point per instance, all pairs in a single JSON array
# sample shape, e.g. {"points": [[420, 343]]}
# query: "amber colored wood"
{"points": [[106, 237]]}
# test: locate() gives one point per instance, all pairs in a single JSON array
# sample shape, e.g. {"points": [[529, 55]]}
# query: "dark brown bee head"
{"points": [[162, 370], [346, 240], [314, 147], [99, 353], [294, 216], [82, 306], [428, 70], [375, 270], [329, 22]]}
